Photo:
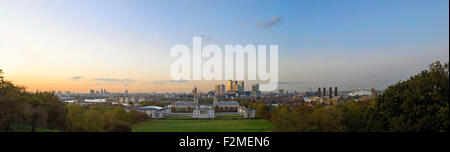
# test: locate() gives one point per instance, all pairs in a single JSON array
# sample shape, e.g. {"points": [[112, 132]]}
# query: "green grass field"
{"points": [[23, 128], [203, 126]]}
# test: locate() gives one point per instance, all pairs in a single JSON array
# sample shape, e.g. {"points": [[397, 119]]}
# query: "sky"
{"points": [[77, 45]]}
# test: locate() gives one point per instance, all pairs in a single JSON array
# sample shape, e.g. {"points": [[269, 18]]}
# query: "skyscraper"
{"points": [[222, 90], [255, 90], [335, 91], [373, 93], [229, 85], [241, 86], [324, 92], [281, 92], [319, 93], [195, 91], [218, 90], [331, 92], [92, 93], [235, 86], [255, 87]]}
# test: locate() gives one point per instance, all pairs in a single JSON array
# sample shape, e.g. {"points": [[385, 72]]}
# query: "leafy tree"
{"points": [[93, 121], [261, 110], [116, 120], [75, 118], [137, 116], [417, 104]]}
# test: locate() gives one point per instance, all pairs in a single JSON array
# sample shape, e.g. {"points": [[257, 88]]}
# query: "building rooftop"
{"points": [[228, 103], [150, 108]]}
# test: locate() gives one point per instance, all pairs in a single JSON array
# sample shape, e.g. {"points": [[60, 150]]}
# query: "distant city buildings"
{"points": [[255, 90]]}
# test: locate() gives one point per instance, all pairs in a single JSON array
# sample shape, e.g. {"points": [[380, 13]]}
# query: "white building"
{"points": [[246, 112], [155, 111], [203, 112]]}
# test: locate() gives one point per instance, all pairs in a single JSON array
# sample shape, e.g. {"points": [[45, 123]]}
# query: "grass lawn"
{"points": [[203, 126], [24, 128]]}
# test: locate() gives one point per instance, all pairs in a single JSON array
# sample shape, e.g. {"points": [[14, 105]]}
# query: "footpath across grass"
{"points": [[258, 125]]}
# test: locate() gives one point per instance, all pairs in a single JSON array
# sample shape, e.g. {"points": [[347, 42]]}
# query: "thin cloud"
{"points": [[289, 82], [76, 78], [276, 20], [178, 81], [158, 82], [169, 81], [110, 80]]}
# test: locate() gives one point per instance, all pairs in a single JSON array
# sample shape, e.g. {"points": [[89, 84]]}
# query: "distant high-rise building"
{"points": [[222, 90], [255, 90], [255, 87], [281, 92], [324, 92], [373, 93], [126, 92], [241, 86], [230, 85], [235, 86], [218, 90], [92, 93], [319, 92], [331, 92], [335, 91], [195, 91], [195, 94]]}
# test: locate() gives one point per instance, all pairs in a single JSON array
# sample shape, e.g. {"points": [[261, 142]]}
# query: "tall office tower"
{"points": [[241, 86], [373, 93], [281, 92], [222, 90], [126, 92], [335, 91], [235, 86], [195, 91], [195, 94], [101, 91], [92, 93], [255, 90], [217, 90], [255, 87], [324, 92], [331, 92], [229, 85], [319, 93]]}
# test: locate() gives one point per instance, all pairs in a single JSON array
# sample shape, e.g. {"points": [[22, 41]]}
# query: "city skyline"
{"points": [[81, 45]]}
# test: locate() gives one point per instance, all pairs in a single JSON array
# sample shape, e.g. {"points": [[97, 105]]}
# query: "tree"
{"points": [[261, 110], [417, 104], [12, 104], [93, 121], [116, 120], [75, 118], [137, 116]]}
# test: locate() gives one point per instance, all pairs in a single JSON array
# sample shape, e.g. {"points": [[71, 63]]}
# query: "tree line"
{"points": [[44, 110], [419, 104]]}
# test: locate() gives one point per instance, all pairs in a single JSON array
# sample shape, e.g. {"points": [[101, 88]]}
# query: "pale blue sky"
{"points": [[345, 43]]}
